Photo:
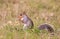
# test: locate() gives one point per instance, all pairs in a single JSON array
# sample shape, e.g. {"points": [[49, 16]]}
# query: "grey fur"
{"points": [[47, 27], [28, 23]]}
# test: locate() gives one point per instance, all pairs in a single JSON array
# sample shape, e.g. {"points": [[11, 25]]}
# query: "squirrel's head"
{"points": [[21, 16]]}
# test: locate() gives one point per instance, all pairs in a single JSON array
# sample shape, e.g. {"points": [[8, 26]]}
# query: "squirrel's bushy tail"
{"points": [[48, 27]]}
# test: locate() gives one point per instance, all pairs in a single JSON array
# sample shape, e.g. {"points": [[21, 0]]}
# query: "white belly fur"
{"points": [[25, 27], [22, 19]]}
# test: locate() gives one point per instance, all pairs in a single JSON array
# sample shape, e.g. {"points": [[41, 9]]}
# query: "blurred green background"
{"points": [[40, 11]]}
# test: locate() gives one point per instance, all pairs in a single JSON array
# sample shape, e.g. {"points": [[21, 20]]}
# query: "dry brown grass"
{"points": [[40, 11]]}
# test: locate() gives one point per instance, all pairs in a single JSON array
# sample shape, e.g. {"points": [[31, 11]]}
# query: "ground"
{"points": [[40, 11]]}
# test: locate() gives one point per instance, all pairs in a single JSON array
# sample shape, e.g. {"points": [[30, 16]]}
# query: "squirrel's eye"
{"points": [[20, 14]]}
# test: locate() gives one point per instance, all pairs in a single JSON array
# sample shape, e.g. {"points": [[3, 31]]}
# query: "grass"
{"points": [[11, 28]]}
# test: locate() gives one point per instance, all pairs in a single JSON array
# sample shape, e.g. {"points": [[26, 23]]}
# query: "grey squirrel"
{"points": [[28, 23]]}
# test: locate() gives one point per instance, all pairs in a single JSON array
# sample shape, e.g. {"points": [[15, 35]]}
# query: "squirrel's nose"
{"points": [[19, 17]]}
